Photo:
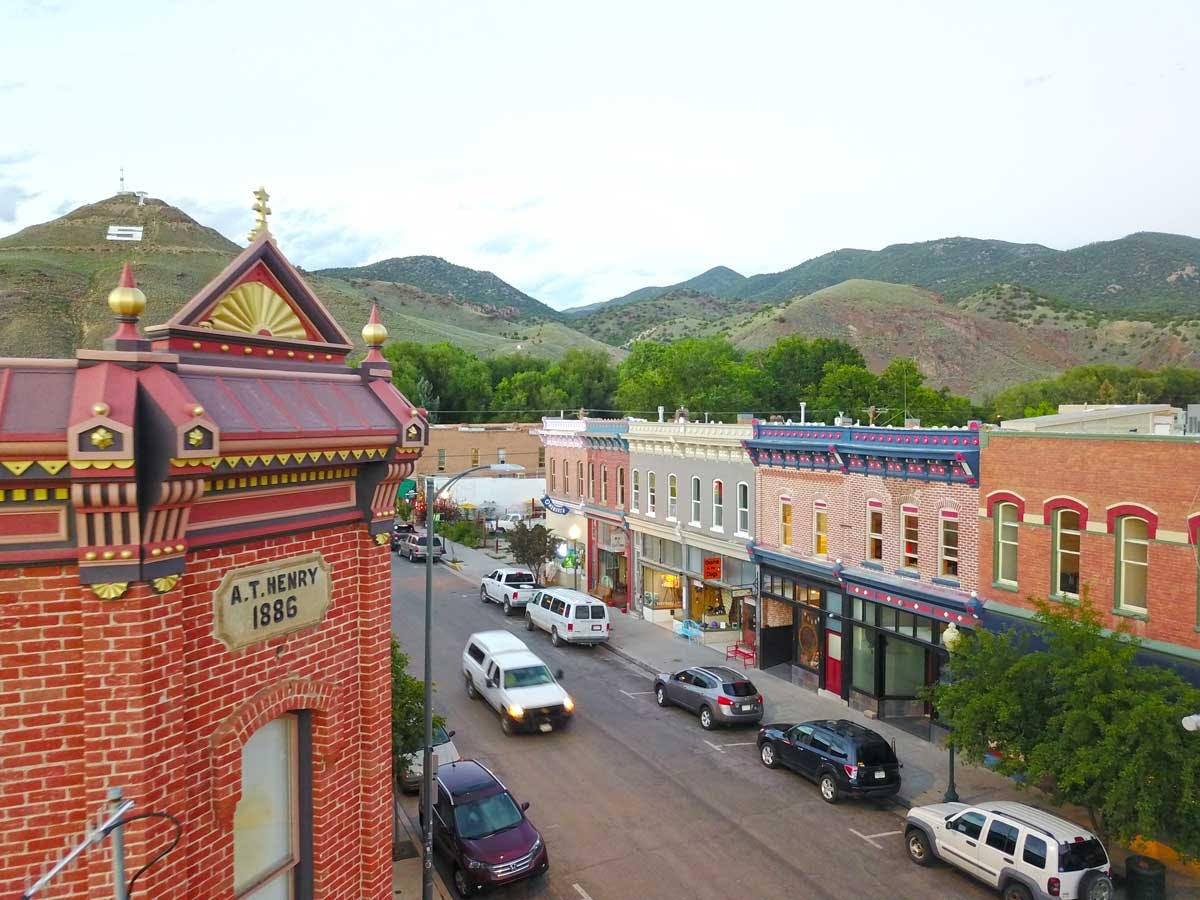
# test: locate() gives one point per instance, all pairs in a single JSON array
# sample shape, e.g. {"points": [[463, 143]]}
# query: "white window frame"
{"points": [[672, 497], [553, 475], [635, 498], [1057, 552], [1124, 542], [651, 493], [579, 478], [591, 482], [786, 531], [621, 486], [872, 534], [604, 483], [910, 561], [743, 509], [820, 511], [1000, 541], [718, 505], [696, 501], [945, 558], [500, 454]]}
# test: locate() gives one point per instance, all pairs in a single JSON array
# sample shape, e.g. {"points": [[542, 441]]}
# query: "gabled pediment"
{"points": [[259, 300]]}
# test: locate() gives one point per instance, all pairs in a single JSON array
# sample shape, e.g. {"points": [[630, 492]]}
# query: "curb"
{"points": [[630, 658]]}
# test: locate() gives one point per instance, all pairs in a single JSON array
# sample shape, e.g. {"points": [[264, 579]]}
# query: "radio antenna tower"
{"points": [[122, 179]]}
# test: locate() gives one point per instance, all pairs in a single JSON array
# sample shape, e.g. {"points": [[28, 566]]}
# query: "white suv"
{"points": [[1024, 852]]}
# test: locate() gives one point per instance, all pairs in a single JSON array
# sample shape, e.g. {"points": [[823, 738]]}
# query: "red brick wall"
{"points": [[615, 460], [138, 692], [567, 457], [846, 498], [1160, 475]]}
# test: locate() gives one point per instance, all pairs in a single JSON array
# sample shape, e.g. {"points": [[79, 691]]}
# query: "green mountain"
{"points": [[1143, 275], [55, 278], [436, 276], [720, 281]]}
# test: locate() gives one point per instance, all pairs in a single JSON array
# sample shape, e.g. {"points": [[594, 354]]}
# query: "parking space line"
{"points": [[869, 838], [714, 746], [584, 895], [741, 744], [632, 694]]}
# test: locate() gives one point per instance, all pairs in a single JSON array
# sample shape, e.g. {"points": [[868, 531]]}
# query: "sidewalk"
{"points": [[406, 873], [655, 649]]}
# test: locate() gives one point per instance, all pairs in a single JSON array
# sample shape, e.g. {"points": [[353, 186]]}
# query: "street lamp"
{"points": [[427, 773], [950, 639], [1191, 723], [573, 533]]}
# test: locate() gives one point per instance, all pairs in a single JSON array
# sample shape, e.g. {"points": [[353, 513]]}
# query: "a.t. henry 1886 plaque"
{"points": [[255, 603]]}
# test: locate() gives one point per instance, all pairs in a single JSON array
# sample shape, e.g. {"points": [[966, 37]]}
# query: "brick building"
{"points": [[606, 473], [1112, 516], [195, 591], [453, 448], [867, 550], [566, 477]]}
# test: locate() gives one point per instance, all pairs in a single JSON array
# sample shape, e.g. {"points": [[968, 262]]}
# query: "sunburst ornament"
{"points": [[253, 308]]}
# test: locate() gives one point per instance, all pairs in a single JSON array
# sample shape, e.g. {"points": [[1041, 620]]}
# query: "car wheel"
{"points": [[471, 692], [829, 788], [460, 882], [483, 595], [918, 847], [767, 754], [660, 694], [1096, 886], [528, 622], [1014, 890], [506, 724], [554, 638], [706, 719], [507, 608]]}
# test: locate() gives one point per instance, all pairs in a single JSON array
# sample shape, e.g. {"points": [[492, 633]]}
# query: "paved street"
{"points": [[639, 802]]}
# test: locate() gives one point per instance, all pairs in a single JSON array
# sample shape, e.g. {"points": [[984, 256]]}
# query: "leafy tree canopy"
{"points": [[533, 547], [408, 709]]}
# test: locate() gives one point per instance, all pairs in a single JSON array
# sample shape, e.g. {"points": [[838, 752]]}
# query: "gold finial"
{"points": [[126, 299], [374, 334], [261, 211]]}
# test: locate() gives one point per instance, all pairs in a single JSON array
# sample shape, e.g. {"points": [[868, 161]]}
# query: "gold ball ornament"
{"points": [[126, 299]]}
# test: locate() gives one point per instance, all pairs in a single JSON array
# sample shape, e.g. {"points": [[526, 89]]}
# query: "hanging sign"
{"points": [[255, 603], [555, 507], [712, 568]]}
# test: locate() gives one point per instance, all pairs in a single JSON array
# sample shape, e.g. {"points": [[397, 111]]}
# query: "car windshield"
{"points": [[739, 689], [527, 677], [876, 753], [485, 816], [1080, 855], [440, 736]]}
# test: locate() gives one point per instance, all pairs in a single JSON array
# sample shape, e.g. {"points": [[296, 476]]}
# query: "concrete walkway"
{"points": [[655, 649]]}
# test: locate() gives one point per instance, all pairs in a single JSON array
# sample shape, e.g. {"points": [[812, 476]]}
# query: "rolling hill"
{"points": [[55, 278]]}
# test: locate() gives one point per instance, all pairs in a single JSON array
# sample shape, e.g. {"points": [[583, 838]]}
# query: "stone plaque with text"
{"points": [[256, 603]]}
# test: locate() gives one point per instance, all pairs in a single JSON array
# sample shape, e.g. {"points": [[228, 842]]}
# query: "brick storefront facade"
{"points": [[1103, 478], [146, 477]]}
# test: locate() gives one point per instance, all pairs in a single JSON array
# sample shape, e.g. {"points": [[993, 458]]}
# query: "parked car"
{"points": [[571, 617], [511, 588], [842, 757], [399, 533], [414, 547], [498, 667], [444, 752], [719, 695], [507, 522], [1018, 849], [482, 829]]}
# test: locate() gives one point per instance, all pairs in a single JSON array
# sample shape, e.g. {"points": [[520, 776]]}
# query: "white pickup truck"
{"points": [[508, 522], [511, 588], [498, 667]]}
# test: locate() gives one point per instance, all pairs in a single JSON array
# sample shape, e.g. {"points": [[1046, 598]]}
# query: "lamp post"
{"points": [[1191, 723], [573, 533], [427, 756], [950, 638]]}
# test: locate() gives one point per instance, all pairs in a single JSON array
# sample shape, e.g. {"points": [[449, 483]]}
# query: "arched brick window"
{"points": [[1119, 510]]}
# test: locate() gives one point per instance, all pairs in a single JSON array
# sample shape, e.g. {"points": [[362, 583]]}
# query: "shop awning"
{"points": [[809, 568], [934, 601]]}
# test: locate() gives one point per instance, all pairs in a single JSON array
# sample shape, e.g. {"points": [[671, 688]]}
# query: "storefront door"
{"points": [[833, 662]]}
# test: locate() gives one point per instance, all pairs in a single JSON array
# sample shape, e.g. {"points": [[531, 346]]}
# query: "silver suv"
{"points": [[414, 547], [1022, 851]]}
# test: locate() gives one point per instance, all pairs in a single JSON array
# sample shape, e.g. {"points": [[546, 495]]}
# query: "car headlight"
{"points": [[537, 844], [516, 710], [569, 704], [474, 865]]}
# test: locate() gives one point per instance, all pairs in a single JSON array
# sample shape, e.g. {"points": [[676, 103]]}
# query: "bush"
{"points": [[464, 532]]}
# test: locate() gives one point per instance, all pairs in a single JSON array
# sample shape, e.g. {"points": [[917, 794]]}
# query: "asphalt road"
{"points": [[639, 803]]}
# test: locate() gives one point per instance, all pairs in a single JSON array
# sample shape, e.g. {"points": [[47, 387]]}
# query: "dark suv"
{"points": [[482, 830], [399, 533], [841, 756]]}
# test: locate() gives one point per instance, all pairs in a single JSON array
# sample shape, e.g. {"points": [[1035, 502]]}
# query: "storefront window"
{"points": [[864, 660], [808, 639], [714, 607], [903, 668], [749, 617], [833, 602], [661, 590]]}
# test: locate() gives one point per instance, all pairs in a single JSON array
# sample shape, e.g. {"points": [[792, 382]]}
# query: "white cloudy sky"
{"points": [[584, 150]]}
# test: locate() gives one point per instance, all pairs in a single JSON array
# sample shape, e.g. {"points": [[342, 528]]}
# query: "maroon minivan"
{"points": [[482, 830]]}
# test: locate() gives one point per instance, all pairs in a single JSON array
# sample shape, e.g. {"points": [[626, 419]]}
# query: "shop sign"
{"points": [[256, 603], [712, 568], [554, 506]]}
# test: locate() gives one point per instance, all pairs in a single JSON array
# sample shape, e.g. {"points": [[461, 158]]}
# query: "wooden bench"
{"points": [[741, 650]]}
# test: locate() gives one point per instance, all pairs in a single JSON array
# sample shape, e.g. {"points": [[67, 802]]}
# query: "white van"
{"points": [[498, 667], [571, 617]]}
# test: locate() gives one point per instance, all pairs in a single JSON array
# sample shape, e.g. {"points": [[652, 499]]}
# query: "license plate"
{"points": [[545, 726], [747, 707], [880, 775], [597, 627]]}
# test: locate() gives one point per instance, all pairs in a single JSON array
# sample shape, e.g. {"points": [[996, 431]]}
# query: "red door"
{"points": [[833, 662]]}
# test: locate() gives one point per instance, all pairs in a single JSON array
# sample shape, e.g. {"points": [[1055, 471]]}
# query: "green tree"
{"points": [[526, 396], [850, 390], [702, 374], [587, 378], [794, 367], [533, 547], [408, 711], [1081, 718]]}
